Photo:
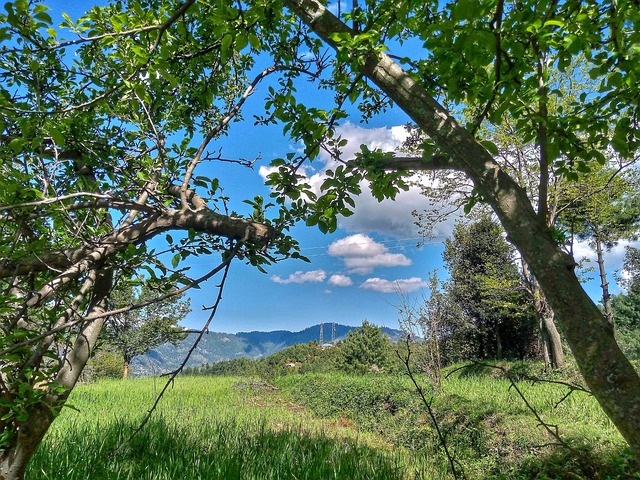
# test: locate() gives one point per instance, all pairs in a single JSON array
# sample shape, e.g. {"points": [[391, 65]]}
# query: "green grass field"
{"points": [[323, 427]]}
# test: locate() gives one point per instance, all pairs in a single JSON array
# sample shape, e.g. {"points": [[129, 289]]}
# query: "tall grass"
{"points": [[328, 426], [490, 429], [205, 428]]}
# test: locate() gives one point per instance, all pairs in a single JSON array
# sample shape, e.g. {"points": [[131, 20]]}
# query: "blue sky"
{"points": [[355, 273]]}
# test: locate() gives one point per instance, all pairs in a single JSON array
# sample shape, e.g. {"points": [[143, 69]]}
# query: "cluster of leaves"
{"points": [[100, 136]]}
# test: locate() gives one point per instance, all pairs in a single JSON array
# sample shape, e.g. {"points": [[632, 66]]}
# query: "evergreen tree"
{"points": [[626, 308], [366, 349], [486, 284]]}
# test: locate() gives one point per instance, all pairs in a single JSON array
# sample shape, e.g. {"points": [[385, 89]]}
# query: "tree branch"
{"points": [[79, 260]]}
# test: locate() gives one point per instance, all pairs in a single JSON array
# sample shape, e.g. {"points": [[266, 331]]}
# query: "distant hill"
{"points": [[216, 346]]}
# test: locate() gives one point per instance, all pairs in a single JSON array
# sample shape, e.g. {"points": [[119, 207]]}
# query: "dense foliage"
{"points": [[497, 313], [626, 307]]}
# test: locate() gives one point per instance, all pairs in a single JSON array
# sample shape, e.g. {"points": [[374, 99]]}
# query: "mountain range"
{"points": [[216, 346]]}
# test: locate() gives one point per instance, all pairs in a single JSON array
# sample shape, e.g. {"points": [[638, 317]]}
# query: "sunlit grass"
{"points": [[329, 426], [207, 428], [488, 426]]}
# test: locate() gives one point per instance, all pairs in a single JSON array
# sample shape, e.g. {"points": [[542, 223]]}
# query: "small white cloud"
{"points": [[301, 277], [265, 171], [401, 285], [357, 245], [340, 281], [367, 264], [361, 254]]}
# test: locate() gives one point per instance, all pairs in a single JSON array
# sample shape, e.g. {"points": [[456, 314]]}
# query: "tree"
{"points": [[495, 58], [82, 142], [138, 331], [487, 286], [603, 207], [520, 155], [366, 349], [100, 141], [425, 323]]}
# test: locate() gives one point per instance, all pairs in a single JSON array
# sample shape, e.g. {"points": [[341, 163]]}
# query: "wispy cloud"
{"points": [[361, 254], [302, 277], [401, 285]]}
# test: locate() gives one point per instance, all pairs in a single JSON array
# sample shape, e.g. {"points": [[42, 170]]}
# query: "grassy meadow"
{"points": [[324, 426]]}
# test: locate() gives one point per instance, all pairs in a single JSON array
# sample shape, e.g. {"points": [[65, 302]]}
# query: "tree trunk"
{"points": [[16, 456], [604, 284], [552, 344], [14, 460], [125, 370], [608, 373]]}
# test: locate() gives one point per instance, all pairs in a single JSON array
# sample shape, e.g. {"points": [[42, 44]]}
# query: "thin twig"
{"points": [[434, 420], [550, 428], [110, 313]]}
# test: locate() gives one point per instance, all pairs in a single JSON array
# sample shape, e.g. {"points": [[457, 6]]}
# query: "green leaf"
{"points": [[17, 143], [57, 137], [554, 23], [490, 146]]}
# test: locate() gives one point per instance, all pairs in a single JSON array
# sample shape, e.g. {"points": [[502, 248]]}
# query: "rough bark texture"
{"points": [[551, 342], [15, 459], [14, 462], [608, 373]]}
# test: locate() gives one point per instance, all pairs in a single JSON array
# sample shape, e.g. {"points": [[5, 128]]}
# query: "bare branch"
{"points": [[80, 260], [427, 403], [220, 126], [109, 202]]}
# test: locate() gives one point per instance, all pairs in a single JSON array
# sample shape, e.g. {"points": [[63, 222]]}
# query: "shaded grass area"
{"points": [[487, 425], [206, 428]]}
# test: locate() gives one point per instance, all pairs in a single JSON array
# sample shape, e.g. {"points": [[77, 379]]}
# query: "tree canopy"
{"points": [[138, 331]]}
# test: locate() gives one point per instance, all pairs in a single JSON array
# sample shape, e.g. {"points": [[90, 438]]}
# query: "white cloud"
{"points": [[357, 245], [367, 264], [613, 257], [301, 277], [390, 217], [401, 285], [361, 254], [340, 281], [383, 138]]}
